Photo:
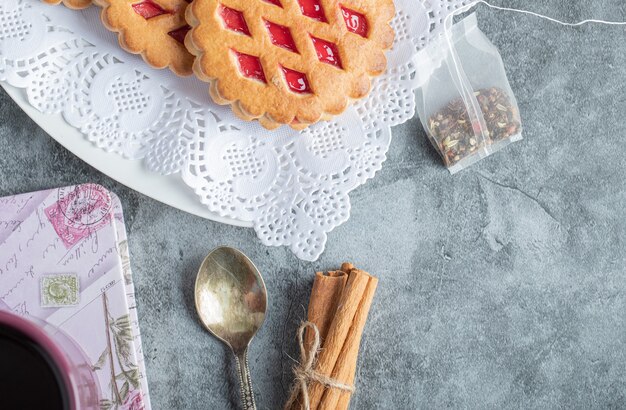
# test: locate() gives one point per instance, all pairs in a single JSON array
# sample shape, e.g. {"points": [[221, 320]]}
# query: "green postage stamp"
{"points": [[60, 290]]}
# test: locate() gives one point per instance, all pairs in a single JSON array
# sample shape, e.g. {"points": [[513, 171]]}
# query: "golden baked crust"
{"points": [[151, 37], [72, 4], [331, 86]]}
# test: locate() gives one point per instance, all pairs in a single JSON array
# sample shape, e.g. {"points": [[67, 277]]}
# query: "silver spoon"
{"points": [[231, 301]]}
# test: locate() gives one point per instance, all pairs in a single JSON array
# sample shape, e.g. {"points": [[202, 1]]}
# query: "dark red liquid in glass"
{"points": [[29, 379]]}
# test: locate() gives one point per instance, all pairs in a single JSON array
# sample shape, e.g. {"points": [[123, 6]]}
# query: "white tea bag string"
{"points": [[467, 7], [532, 13]]}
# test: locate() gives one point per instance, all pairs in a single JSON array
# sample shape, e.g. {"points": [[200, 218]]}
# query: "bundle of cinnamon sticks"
{"points": [[339, 306]]}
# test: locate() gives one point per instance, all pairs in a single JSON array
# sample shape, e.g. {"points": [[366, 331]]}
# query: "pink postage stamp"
{"points": [[79, 211]]}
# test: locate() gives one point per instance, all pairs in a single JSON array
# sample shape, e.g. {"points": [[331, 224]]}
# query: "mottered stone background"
{"points": [[500, 287]]}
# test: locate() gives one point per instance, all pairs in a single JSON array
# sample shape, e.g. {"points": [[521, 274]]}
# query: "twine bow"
{"points": [[305, 372]]}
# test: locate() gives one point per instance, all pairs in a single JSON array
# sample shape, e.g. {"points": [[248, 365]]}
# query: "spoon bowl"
{"points": [[231, 301]]}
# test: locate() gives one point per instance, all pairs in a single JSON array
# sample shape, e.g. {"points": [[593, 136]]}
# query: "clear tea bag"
{"points": [[465, 101]]}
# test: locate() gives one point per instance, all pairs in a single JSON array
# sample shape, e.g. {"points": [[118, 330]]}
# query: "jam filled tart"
{"points": [[290, 62], [73, 4], [155, 29]]}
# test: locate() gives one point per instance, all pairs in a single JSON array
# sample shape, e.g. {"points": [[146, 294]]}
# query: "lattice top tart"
{"points": [[289, 61], [155, 29], [73, 4]]}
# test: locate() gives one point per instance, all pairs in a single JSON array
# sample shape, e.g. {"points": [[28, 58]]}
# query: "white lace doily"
{"points": [[293, 186]]}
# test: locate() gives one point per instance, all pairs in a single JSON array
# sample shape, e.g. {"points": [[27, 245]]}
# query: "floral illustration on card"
{"points": [[124, 385], [125, 256]]}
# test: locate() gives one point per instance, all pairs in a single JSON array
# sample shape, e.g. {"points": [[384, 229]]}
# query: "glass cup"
{"points": [[65, 357]]}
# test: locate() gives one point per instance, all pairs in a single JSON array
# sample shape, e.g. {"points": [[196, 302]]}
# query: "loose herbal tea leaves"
{"points": [[464, 100], [456, 137]]}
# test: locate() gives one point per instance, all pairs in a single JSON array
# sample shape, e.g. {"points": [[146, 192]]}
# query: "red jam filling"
{"points": [[179, 34], [297, 81], [327, 52], [250, 66], [274, 2], [281, 36], [149, 9], [234, 20], [312, 9], [356, 22]]}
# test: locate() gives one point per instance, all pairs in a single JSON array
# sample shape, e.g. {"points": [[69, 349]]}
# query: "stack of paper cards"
{"points": [[64, 259]]}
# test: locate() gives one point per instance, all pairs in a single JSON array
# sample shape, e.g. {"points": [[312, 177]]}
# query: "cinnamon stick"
{"points": [[327, 289], [339, 306], [346, 315], [345, 367], [325, 296]]}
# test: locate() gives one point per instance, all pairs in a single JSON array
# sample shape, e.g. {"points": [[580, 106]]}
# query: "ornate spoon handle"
{"points": [[247, 394]]}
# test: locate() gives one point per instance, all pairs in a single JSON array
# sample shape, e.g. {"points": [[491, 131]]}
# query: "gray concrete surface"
{"points": [[500, 287]]}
